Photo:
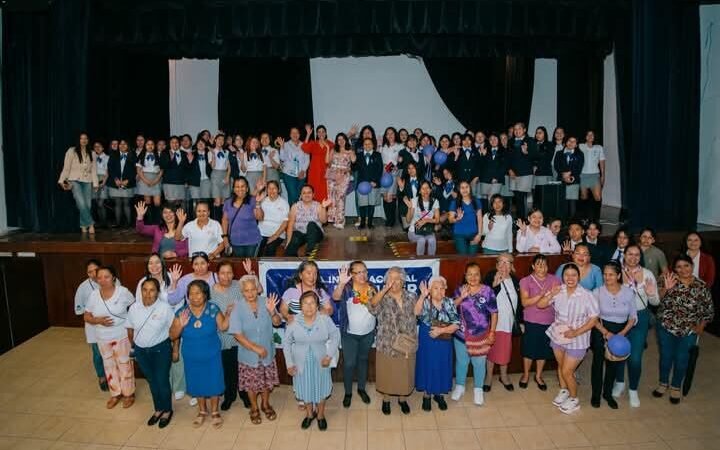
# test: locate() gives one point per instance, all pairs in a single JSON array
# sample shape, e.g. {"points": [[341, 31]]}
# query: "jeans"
{"points": [[356, 353], [312, 237], [97, 361], [463, 245], [637, 337], [674, 355], [420, 243], [602, 380], [292, 186], [462, 360], [230, 373], [155, 363], [82, 193], [244, 251]]}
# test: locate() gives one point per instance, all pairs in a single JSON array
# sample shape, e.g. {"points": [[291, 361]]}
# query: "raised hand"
{"points": [[650, 287], [344, 276], [498, 278], [279, 141], [524, 148], [555, 290], [459, 214], [521, 225], [670, 280], [229, 309], [424, 290], [407, 202], [181, 215], [176, 272], [271, 303], [140, 209], [184, 318], [308, 129], [464, 291], [327, 202], [566, 246], [247, 265], [353, 129]]}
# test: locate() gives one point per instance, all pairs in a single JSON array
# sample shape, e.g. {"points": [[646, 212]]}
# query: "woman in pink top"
{"points": [[534, 237], [164, 242], [576, 313], [535, 343]]}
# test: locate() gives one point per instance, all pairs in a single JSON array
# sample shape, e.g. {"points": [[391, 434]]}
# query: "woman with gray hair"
{"points": [[395, 340], [439, 320], [251, 324]]}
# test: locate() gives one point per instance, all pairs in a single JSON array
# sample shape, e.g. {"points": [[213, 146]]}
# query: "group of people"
{"points": [[423, 182], [211, 336]]}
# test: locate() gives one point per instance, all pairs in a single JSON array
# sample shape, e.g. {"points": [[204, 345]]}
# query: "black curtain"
{"points": [[580, 95], [485, 93], [44, 78], [264, 94], [127, 93], [661, 155]]}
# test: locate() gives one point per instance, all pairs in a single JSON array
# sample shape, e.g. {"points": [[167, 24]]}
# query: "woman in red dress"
{"points": [[318, 150]]}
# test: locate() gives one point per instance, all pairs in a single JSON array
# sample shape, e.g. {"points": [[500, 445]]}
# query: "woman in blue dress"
{"points": [[198, 323], [438, 319]]}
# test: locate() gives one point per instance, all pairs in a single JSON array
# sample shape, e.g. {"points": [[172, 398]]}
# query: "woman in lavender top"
{"points": [[241, 213], [618, 315], [477, 309]]}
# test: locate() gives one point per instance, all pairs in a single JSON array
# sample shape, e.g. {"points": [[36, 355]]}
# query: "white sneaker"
{"points": [[634, 398], [618, 389], [179, 395], [339, 226], [559, 399], [478, 396], [193, 401], [458, 392], [570, 405]]}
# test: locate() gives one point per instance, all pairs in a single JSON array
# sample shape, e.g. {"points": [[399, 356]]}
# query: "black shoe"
{"points": [[364, 396], [426, 406], [165, 421], [658, 394], [595, 403], [386, 408], [486, 388], [371, 226], [347, 400], [674, 400], [404, 407], [245, 399], [307, 421], [322, 424], [522, 384], [611, 402], [362, 226], [153, 419], [226, 404], [440, 400], [508, 386], [104, 386], [542, 386]]}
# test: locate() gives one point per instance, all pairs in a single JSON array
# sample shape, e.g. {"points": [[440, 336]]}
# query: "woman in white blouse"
{"points": [[533, 237], [155, 268], [220, 175], [423, 214], [275, 219], [497, 228], [252, 164], [592, 178]]}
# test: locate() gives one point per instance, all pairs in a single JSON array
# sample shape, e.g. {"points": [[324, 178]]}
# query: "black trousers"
{"points": [[367, 213], [390, 209], [312, 237], [602, 383], [271, 248], [230, 373]]}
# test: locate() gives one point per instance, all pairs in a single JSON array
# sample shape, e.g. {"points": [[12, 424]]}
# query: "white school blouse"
{"points": [[101, 163], [390, 153], [221, 162], [150, 164], [253, 164], [270, 154], [593, 156], [500, 237], [206, 158]]}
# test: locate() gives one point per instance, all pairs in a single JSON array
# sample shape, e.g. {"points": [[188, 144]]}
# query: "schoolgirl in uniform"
{"points": [[174, 164], [409, 154], [493, 168], [593, 176], [149, 177], [253, 164], [236, 155], [122, 174], [271, 158], [390, 150], [199, 173], [369, 167], [569, 166], [521, 153], [467, 164], [220, 176], [100, 194], [408, 187]]}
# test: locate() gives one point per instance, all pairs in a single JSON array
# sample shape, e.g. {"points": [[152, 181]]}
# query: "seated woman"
{"points": [[306, 278], [423, 214], [106, 310], [311, 342], [148, 325], [438, 319], [396, 340], [576, 313], [251, 323], [165, 242], [477, 309], [465, 214], [204, 235], [408, 186], [686, 307], [497, 228], [275, 215], [305, 223], [198, 323], [534, 237]]}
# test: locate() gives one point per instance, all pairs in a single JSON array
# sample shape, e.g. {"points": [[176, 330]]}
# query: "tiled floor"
{"points": [[50, 401]]}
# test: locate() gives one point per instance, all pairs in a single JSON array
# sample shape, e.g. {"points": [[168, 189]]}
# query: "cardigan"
{"points": [[324, 339], [707, 269], [74, 170]]}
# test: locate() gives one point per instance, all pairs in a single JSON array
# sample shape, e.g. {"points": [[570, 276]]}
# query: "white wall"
{"points": [[194, 86], [543, 110], [708, 197], [611, 191]]}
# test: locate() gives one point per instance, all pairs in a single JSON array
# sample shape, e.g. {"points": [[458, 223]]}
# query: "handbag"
{"points": [[442, 324], [475, 345], [229, 250], [516, 330], [405, 344]]}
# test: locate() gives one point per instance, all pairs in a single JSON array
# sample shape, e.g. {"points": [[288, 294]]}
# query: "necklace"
{"points": [[198, 322]]}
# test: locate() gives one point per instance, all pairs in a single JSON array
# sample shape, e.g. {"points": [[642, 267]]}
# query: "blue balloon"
{"points": [[440, 158], [428, 150], [386, 180], [364, 188], [619, 346]]}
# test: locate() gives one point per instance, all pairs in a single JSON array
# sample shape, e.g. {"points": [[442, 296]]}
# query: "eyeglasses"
{"points": [[360, 272], [196, 254]]}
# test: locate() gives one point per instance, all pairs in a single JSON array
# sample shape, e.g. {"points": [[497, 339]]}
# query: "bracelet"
{"points": [[223, 235]]}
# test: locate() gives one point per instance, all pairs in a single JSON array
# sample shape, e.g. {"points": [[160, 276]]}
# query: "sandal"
{"points": [[660, 390], [217, 421], [269, 413], [255, 417], [199, 419], [675, 399]]}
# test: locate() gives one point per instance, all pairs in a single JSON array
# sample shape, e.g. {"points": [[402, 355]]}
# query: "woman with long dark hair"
{"points": [[306, 278], [155, 268], [275, 216], [423, 214], [339, 164], [79, 175], [703, 263], [390, 149], [240, 216], [318, 149], [252, 164], [149, 176], [164, 239], [497, 227]]}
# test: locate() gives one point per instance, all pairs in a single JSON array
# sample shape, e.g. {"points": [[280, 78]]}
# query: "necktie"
{"points": [[221, 155], [493, 152], [123, 156], [367, 158], [177, 157], [414, 183], [449, 186], [568, 157], [99, 159], [150, 158], [253, 156], [201, 157]]}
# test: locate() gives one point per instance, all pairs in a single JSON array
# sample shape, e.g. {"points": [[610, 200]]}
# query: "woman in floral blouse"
{"points": [[438, 321], [394, 308], [685, 308]]}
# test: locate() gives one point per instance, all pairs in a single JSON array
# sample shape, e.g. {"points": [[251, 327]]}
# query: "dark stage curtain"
{"points": [[127, 94], [486, 93], [264, 94], [580, 95], [661, 155]]}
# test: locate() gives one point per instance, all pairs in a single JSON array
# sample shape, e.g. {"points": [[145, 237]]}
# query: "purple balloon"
{"points": [[428, 150], [364, 188], [619, 346], [386, 180], [440, 157]]}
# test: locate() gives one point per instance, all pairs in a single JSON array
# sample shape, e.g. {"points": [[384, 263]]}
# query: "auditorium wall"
{"points": [[709, 183]]}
